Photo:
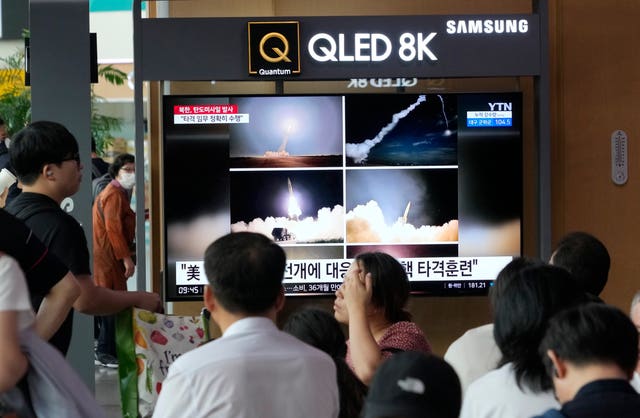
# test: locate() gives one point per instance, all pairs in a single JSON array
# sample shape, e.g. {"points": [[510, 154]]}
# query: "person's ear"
{"points": [[559, 366], [280, 300], [209, 299], [47, 171]]}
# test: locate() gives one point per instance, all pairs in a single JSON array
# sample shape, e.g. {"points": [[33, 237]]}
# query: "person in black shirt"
{"points": [[52, 287], [590, 353], [45, 157], [99, 167]]}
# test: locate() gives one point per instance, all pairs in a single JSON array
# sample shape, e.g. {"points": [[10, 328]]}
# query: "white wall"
{"points": [[115, 36]]}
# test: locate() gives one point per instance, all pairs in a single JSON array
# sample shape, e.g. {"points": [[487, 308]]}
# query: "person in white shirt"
{"points": [[54, 389], [476, 353], [520, 387], [473, 354], [254, 369]]}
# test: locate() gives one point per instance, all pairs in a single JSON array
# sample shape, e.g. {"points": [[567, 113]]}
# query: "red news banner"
{"points": [[208, 114]]}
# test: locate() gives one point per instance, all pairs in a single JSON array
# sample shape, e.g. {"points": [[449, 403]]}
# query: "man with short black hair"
{"points": [[46, 160], [586, 257], [253, 370], [590, 353]]}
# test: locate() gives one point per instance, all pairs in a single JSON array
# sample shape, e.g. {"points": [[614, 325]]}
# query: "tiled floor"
{"points": [[107, 391]]}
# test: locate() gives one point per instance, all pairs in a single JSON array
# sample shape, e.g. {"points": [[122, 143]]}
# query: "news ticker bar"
{"points": [[333, 270]]}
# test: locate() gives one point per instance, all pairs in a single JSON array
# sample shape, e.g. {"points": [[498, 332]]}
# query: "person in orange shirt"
{"points": [[113, 243]]}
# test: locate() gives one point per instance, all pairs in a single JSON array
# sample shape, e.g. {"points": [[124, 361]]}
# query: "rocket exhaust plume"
{"points": [[282, 152], [406, 213], [360, 152], [287, 131], [294, 208]]}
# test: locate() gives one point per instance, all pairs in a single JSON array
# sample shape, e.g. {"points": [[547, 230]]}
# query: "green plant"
{"points": [[15, 100], [103, 125], [15, 97]]}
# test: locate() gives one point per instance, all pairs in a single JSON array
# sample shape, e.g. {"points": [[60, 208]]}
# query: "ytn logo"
{"points": [[499, 106]]}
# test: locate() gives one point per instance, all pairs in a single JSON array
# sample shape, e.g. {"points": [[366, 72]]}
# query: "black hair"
{"points": [[508, 273], [317, 328], [119, 162], [594, 333], [521, 316], [389, 282], [586, 257], [321, 330], [38, 144], [245, 271]]}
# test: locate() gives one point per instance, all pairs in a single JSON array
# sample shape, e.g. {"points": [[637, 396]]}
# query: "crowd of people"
{"points": [[553, 349]]}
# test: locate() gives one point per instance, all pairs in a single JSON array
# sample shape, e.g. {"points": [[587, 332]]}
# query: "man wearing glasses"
{"points": [[45, 157]]}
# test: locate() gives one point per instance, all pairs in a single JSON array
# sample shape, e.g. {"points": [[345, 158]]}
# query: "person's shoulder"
{"points": [[635, 381], [8, 264], [37, 211], [495, 380], [33, 202], [405, 335], [303, 348], [194, 361], [470, 339]]}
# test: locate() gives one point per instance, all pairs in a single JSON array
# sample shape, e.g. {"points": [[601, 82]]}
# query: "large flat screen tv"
{"points": [[435, 180]]}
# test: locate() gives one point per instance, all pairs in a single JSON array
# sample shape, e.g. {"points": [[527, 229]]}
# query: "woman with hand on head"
{"points": [[372, 302]]}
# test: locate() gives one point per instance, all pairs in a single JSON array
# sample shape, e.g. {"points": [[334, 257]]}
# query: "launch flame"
{"points": [[294, 208]]}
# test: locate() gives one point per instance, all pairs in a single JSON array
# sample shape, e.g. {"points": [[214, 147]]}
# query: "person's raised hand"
{"points": [[357, 290]]}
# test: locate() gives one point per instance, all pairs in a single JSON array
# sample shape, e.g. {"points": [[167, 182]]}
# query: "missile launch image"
{"points": [[294, 208], [401, 130], [403, 219], [376, 197], [293, 131], [289, 206]]}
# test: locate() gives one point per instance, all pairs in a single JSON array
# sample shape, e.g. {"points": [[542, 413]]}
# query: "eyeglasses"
{"points": [[75, 157]]}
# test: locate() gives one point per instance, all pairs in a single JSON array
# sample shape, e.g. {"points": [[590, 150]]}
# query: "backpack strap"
{"points": [[95, 170], [31, 210]]}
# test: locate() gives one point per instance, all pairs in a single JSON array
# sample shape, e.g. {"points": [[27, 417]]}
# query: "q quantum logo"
{"points": [[274, 48]]}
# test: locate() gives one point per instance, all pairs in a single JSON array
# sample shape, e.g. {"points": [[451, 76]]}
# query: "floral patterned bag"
{"points": [[147, 344]]}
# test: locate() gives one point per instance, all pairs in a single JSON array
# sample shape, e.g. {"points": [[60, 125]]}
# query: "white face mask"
{"points": [[127, 180]]}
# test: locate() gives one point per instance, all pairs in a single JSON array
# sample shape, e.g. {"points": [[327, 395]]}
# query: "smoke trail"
{"points": [[360, 152], [443, 112]]}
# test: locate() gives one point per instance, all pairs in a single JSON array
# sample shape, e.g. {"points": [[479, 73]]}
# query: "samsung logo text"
{"points": [[487, 26]]}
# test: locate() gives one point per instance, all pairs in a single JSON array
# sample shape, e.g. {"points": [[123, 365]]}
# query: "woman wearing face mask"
{"points": [[113, 238]]}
